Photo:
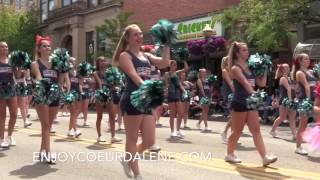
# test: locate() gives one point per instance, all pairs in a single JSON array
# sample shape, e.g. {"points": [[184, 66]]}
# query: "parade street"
{"points": [[197, 156]]}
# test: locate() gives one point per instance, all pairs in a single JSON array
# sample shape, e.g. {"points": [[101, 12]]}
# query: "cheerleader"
{"points": [[42, 68], [74, 106], [85, 88], [306, 85], [112, 107], [22, 96], [28, 101], [137, 66], [185, 98], [244, 82], [286, 92], [175, 89], [205, 91], [227, 89], [7, 97]]}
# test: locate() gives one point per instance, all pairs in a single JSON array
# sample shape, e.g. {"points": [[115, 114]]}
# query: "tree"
{"points": [[18, 29], [266, 24], [110, 33]]}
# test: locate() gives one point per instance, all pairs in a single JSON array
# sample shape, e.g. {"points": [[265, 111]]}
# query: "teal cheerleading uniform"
{"points": [[74, 88], [7, 85], [239, 103], [52, 75], [143, 68], [21, 87]]}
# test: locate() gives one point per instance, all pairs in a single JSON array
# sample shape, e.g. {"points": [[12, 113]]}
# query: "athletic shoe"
{"points": [[77, 133], [154, 148], [101, 139], [27, 124], [301, 151], [180, 134], [224, 138], [126, 167], [206, 129], [4, 143], [70, 133], [52, 130], [85, 124], [232, 159], [273, 134], [139, 177], [268, 159], [11, 141], [174, 135], [115, 139]]}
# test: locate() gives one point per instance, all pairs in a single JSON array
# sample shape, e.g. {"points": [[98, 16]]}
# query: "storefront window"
{"points": [[43, 10], [92, 3], [66, 2], [51, 5], [103, 1]]}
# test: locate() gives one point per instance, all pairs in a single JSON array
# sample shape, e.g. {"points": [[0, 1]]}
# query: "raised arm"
{"points": [[160, 62]]}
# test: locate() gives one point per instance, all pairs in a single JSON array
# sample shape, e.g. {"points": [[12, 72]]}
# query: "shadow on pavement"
{"points": [[244, 148], [314, 159], [97, 146], [33, 171], [258, 172], [177, 140]]}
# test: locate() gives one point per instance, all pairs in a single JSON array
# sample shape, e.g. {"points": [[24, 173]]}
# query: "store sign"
{"points": [[192, 29]]}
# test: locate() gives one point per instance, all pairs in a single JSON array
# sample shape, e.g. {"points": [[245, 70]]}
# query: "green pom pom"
{"points": [[204, 100], [186, 96], [22, 89], [230, 97], [7, 90], [113, 76], [212, 80], [164, 32], [256, 100], [193, 76], [305, 107], [46, 92], [260, 64], [71, 97], [60, 60], [290, 104], [181, 54], [20, 59], [103, 95], [148, 96], [85, 69], [316, 70]]}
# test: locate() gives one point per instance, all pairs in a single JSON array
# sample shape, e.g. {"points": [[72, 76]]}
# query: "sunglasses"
{"points": [[45, 46]]}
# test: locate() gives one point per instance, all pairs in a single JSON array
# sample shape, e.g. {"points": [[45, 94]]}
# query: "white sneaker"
{"points": [[56, 120], [154, 148], [232, 158], [139, 177], [27, 124], [206, 129], [77, 133], [52, 130], [273, 134], [224, 138], [4, 143], [198, 126], [101, 139], [126, 167], [115, 139], [301, 151], [174, 135], [180, 134], [268, 159], [11, 141], [85, 124], [70, 133]]}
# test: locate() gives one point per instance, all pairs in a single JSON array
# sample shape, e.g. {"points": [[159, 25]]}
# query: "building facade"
{"points": [[19, 5], [72, 23]]}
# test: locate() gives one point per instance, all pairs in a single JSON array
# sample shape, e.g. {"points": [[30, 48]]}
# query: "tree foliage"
{"points": [[266, 24], [111, 32], [18, 29]]}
